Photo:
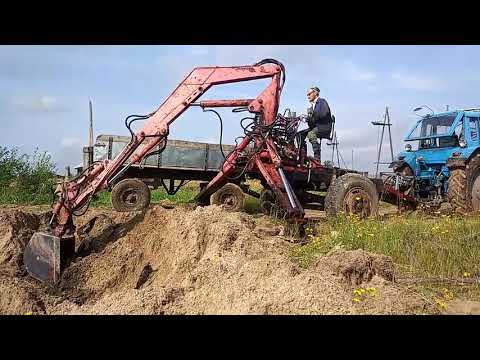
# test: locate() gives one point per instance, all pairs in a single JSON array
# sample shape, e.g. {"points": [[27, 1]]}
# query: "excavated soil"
{"points": [[192, 261]]}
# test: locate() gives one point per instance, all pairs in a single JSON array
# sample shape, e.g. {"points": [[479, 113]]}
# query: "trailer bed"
{"points": [[181, 160]]}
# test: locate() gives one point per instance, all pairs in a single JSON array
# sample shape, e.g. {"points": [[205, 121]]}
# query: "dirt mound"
{"points": [[16, 228], [359, 266], [18, 297], [208, 261], [205, 261]]}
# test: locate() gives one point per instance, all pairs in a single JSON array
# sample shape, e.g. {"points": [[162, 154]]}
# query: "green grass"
{"points": [[441, 246], [184, 195], [440, 250], [251, 205]]}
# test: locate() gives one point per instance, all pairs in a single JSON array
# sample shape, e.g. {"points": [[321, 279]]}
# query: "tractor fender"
{"points": [[458, 162], [405, 158], [396, 164], [462, 160]]}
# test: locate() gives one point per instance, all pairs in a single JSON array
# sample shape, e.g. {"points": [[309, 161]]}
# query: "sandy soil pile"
{"points": [[194, 261]]}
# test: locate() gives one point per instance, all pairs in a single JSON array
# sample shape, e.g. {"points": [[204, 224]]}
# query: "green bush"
{"points": [[25, 179]]}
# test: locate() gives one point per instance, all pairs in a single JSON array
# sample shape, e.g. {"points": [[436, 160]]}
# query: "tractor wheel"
{"points": [[457, 190], [269, 204], [352, 194], [473, 176], [406, 170], [231, 196], [464, 187], [130, 195]]}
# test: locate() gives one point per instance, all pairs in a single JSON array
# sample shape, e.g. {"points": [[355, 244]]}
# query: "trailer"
{"points": [[182, 161]]}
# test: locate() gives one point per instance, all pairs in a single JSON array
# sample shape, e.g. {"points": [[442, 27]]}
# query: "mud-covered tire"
{"points": [[130, 195], [352, 194], [406, 170], [464, 186], [230, 196], [457, 190], [473, 177]]}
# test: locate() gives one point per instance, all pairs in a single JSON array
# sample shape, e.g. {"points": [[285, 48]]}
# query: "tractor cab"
{"points": [[431, 142], [436, 131], [435, 138]]}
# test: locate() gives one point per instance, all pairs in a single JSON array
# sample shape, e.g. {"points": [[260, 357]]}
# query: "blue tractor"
{"points": [[441, 163]]}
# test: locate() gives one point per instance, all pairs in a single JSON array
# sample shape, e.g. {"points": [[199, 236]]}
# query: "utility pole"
{"points": [[90, 137], [386, 123], [447, 107], [88, 150]]}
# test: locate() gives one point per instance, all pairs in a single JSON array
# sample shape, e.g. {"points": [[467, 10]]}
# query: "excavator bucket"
{"points": [[46, 256]]}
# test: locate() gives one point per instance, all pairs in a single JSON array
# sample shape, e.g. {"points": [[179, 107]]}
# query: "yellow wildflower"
{"points": [[447, 294], [441, 305]]}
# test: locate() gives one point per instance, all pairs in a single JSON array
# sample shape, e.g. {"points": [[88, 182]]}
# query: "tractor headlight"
{"points": [[462, 143], [408, 147]]}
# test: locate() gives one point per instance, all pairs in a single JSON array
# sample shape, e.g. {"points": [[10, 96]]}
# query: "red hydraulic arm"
{"points": [[74, 195]]}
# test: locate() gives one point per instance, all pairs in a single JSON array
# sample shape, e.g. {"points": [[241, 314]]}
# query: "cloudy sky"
{"points": [[44, 90]]}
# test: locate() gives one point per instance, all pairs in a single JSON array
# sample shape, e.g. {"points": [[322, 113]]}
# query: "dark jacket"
{"points": [[321, 117]]}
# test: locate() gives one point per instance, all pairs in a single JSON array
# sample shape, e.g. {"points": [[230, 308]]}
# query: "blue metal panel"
{"points": [[457, 120]]}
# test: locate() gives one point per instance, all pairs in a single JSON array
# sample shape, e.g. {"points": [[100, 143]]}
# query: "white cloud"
{"points": [[70, 142], [413, 82], [42, 103]]}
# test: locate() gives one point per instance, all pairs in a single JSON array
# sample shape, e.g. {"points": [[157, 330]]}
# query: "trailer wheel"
{"points": [[231, 196], [130, 195], [352, 194]]}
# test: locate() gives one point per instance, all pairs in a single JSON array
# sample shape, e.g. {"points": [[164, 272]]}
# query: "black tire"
{"points": [[457, 190], [473, 181], [130, 195], [230, 196], [352, 194], [464, 186], [406, 170]]}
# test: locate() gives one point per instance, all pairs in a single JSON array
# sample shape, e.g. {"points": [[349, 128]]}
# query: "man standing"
{"points": [[319, 121]]}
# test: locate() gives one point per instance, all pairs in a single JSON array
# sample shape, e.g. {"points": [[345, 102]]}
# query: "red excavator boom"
{"points": [[47, 254]]}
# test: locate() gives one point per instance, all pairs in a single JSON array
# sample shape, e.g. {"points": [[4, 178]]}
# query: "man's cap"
{"points": [[316, 89]]}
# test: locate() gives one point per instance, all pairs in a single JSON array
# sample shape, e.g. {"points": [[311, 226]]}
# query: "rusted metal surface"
{"points": [[357, 202], [46, 256], [225, 103], [393, 196]]}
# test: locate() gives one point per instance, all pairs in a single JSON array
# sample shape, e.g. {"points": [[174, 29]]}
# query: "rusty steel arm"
{"points": [[224, 103], [75, 194]]}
